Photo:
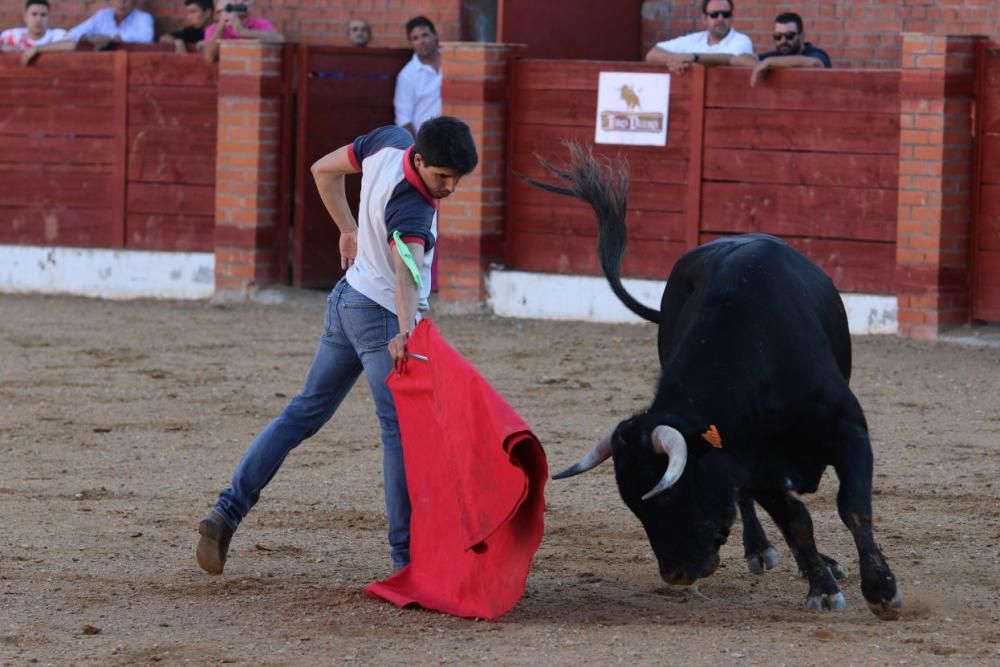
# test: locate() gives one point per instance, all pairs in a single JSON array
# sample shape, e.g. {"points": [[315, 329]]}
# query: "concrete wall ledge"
{"points": [[106, 273], [588, 298]]}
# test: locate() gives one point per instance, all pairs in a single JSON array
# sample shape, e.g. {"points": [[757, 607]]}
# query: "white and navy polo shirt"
{"points": [[393, 197]]}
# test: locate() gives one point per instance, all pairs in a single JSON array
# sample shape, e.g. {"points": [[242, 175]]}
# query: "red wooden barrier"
{"points": [[553, 101], [986, 222], [809, 156], [172, 122], [58, 133], [108, 150], [342, 93]]}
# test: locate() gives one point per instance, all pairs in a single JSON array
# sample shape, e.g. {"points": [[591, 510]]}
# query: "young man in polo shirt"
{"points": [[387, 252]]}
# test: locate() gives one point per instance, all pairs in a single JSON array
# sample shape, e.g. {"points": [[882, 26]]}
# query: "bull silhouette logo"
{"points": [[631, 98], [632, 119]]}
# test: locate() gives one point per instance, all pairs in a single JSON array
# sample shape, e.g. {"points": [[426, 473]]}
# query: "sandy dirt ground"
{"points": [[121, 421]]}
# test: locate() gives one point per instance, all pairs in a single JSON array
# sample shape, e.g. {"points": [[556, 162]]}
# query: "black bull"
{"points": [[752, 402]]}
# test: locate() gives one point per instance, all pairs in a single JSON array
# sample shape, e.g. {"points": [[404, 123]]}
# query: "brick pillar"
{"points": [[247, 167], [935, 182], [471, 221]]}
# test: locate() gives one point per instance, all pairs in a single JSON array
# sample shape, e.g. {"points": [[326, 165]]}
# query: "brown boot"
{"points": [[214, 543]]}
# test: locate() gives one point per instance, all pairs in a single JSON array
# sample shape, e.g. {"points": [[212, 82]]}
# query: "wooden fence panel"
{"points": [[172, 121], [108, 150], [342, 93], [556, 101], [57, 130], [985, 253], [812, 157]]}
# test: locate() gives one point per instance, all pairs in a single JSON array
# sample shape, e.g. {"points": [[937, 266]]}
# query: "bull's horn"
{"points": [[669, 441], [595, 457]]}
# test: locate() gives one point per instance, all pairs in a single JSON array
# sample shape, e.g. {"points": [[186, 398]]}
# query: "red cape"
{"points": [[476, 476]]}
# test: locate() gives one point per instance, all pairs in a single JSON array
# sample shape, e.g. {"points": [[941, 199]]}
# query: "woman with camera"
{"points": [[235, 22]]}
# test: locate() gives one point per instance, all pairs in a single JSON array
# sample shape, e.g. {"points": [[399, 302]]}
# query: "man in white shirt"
{"points": [[36, 31], [715, 45], [418, 85], [123, 22]]}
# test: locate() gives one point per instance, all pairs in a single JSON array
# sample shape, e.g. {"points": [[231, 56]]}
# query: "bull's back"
{"points": [[756, 297]]}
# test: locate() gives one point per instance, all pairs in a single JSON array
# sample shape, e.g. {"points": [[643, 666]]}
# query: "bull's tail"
{"points": [[604, 185]]}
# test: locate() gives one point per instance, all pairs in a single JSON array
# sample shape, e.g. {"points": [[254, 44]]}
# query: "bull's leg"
{"points": [[796, 525], [760, 554], [854, 503]]}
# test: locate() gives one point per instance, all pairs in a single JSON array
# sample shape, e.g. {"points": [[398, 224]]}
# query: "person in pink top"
{"points": [[235, 22]]}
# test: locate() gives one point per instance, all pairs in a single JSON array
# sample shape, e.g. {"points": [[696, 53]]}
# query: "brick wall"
{"points": [[307, 21], [471, 221], [247, 175], [854, 33], [935, 183]]}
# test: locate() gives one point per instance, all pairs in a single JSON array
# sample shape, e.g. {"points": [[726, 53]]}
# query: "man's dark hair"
{"points": [[790, 17], [36, 2], [446, 142], [704, 6], [206, 5], [419, 22]]}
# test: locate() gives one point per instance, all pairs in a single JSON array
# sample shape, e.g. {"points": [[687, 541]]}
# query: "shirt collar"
{"points": [[413, 177]]}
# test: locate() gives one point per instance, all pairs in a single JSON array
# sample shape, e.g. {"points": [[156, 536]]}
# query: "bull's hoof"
{"points": [[887, 610], [763, 560], [827, 601]]}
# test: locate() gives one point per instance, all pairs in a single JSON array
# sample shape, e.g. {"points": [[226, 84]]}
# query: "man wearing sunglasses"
{"points": [[790, 50], [715, 45]]}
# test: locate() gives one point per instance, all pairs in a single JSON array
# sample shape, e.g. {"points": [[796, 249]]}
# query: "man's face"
{"points": [[718, 18], [359, 33], [36, 19], [787, 38], [423, 41], [124, 7], [232, 18], [195, 16], [440, 182]]}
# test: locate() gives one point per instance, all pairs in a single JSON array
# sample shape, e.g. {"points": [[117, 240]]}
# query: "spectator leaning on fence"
{"points": [[790, 50], [122, 22], [36, 30], [197, 15], [713, 46], [36, 35], [418, 85], [235, 22], [359, 33]]}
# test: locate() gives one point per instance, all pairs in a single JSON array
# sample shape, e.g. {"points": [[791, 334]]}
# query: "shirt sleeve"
{"points": [[742, 45], [676, 45], [376, 140], [409, 213], [141, 31], [262, 25], [85, 28], [820, 55], [404, 99]]}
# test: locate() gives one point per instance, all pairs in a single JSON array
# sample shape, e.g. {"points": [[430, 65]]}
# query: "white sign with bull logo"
{"points": [[632, 108]]}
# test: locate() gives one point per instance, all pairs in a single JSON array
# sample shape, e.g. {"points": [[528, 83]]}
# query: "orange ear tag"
{"points": [[712, 437]]}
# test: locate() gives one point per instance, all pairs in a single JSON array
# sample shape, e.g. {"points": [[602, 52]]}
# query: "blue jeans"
{"points": [[356, 336]]}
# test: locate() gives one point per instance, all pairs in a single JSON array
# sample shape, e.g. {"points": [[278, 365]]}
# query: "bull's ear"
{"points": [[668, 440]]}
